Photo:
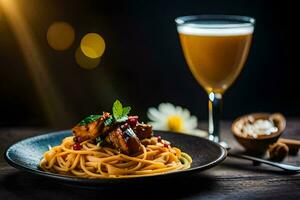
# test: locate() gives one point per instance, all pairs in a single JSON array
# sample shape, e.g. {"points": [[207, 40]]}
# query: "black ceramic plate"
{"points": [[26, 155]]}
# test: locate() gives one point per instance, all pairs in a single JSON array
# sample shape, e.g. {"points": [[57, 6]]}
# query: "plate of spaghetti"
{"points": [[113, 148]]}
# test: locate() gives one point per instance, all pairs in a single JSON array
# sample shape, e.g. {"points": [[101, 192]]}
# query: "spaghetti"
{"points": [[114, 146], [95, 161]]}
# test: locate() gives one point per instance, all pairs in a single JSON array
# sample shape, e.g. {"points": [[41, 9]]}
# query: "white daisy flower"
{"points": [[177, 119]]}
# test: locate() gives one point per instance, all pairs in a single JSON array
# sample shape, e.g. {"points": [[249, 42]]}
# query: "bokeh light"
{"points": [[92, 45], [60, 35], [84, 61]]}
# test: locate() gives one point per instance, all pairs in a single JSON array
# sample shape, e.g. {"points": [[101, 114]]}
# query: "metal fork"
{"points": [[286, 167]]}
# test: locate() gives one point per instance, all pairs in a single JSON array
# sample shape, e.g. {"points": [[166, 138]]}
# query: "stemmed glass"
{"points": [[215, 48]]}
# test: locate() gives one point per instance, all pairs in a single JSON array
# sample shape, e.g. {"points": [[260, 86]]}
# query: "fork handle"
{"points": [[287, 167]]}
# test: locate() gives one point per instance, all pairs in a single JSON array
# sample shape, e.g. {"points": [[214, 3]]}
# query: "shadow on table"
{"points": [[27, 186]]}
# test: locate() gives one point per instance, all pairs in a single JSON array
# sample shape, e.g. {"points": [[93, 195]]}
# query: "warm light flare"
{"points": [[84, 61], [50, 97], [92, 45], [60, 35]]}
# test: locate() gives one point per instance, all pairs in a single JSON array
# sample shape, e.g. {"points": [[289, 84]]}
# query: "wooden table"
{"points": [[232, 179]]}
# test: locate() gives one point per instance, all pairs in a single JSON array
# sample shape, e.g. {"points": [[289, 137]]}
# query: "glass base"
{"points": [[216, 139], [213, 138]]}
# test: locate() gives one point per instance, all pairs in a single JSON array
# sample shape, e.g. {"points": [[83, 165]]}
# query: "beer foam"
{"points": [[215, 30]]}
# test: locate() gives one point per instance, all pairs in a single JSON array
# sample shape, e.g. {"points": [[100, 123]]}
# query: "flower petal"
{"points": [[167, 108], [186, 113], [159, 118], [191, 123], [158, 126], [154, 115], [178, 110]]}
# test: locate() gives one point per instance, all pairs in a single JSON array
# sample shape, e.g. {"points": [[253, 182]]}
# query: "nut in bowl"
{"points": [[257, 131]]}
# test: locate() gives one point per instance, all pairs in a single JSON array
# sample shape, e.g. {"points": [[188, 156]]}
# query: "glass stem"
{"points": [[215, 107]]}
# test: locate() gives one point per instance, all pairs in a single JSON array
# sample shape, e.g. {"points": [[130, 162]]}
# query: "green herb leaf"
{"points": [[109, 121], [122, 119], [99, 141], [89, 120], [117, 109], [126, 110], [120, 113]]}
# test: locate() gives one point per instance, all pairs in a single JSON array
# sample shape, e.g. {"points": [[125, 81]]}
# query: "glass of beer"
{"points": [[215, 48]]}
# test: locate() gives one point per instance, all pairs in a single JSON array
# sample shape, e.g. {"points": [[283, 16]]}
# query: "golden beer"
{"points": [[215, 48], [215, 56]]}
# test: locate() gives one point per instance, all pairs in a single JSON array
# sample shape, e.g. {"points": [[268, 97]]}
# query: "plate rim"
{"points": [[68, 178]]}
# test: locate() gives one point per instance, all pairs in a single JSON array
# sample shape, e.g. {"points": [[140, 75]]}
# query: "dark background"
{"points": [[143, 64]]}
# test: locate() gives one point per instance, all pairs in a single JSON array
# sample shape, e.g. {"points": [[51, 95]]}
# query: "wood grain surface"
{"points": [[233, 179]]}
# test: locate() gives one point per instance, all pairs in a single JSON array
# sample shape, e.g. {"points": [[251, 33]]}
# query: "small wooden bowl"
{"points": [[260, 144]]}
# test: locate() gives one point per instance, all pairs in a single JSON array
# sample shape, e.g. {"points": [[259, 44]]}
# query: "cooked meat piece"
{"points": [[92, 130], [134, 145], [117, 138], [143, 131], [126, 142], [133, 142]]}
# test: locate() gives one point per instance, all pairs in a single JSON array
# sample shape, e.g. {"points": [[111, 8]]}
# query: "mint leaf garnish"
{"points": [[117, 109], [89, 120], [122, 119], [126, 110], [120, 113]]}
